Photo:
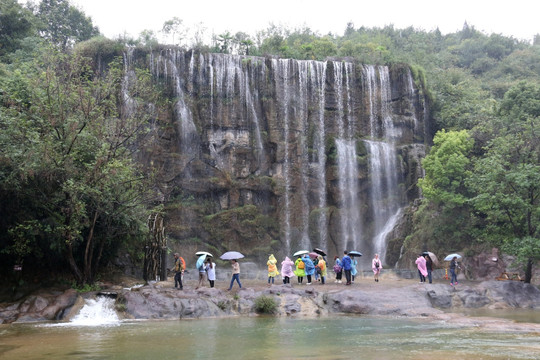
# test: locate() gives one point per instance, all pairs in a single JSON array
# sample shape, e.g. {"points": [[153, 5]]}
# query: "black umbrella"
{"points": [[319, 251], [354, 253]]}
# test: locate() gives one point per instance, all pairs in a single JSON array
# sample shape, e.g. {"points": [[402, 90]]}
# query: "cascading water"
{"points": [[385, 197], [260, 119], [96, 312]]}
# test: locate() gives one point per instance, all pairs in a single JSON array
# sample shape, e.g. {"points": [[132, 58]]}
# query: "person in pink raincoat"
{"points": [[422, 269], [287, 270]]}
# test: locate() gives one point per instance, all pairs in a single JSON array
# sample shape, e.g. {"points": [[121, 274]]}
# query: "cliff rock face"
{"points": [[267, 155]]}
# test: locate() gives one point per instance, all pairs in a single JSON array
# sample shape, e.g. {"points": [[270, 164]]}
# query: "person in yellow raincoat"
{"points": [[300, 272], [324, 270], [272, 268]]}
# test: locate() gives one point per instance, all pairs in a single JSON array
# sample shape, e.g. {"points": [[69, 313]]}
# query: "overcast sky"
{"points": [[517, 18]]}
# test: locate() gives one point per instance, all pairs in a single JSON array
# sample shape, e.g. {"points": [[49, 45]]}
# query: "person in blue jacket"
{"points": [[309, 268], [346, 263]]}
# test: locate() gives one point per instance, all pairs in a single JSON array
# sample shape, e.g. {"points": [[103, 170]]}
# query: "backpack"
{"points": [[183, 266], [337, 268], [301, 264]]}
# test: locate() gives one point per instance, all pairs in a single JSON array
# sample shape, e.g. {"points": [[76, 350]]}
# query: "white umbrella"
{"points": [[432, 256], [199, 253], [231, 255], [301, 252], [451, 256]]}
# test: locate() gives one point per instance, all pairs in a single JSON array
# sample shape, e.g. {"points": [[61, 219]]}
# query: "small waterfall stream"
{"points": [[97, 312]]}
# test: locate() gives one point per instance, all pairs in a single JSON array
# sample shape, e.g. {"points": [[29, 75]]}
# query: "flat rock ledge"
{"points": [[436, 301]]}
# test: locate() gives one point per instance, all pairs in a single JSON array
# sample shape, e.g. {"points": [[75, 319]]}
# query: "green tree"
{"points": [[447, 168], [16, 23], [506, 181], [174, 27], [63, 24], [69, 159]]}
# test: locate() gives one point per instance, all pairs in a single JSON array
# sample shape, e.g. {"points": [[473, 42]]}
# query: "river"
{"points": [[339, 337]]}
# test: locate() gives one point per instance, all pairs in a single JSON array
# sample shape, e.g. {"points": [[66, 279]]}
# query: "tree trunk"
{"points": [[73, 265], [528, 271]]}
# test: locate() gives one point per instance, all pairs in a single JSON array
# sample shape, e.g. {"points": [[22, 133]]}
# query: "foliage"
{"points": [[447, 167], [265, 305], [68, 161], [16, 23]]}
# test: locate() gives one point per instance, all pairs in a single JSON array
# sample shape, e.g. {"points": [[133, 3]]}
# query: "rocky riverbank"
{"points": [[390, 297]]}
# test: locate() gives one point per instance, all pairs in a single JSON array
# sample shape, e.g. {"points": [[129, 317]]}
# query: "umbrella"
{"points": [[231, 255], [301, 252], [200, 261], [199, 253], [451, 256], [432, 256], [354, 253], [319, 251], [313, 255]]}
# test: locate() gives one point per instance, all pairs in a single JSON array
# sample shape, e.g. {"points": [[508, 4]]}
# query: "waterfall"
{"points": [[129, 76], [385, 198], [318, 82], [351, 220], [271, 127], [97, 312]]}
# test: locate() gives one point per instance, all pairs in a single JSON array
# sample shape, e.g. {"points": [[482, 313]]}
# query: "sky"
{"points": [[517, 18]]}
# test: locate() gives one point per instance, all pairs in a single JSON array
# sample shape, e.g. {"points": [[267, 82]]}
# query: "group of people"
{"points": [[315, 269], [206, 270], [424, 263], [305, 266]]}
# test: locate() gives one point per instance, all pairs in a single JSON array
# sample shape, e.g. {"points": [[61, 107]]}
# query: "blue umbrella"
{"points": [[200, 261]]}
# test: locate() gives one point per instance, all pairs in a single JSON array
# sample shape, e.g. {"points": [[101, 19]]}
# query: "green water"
{"points": [[265, 338]]}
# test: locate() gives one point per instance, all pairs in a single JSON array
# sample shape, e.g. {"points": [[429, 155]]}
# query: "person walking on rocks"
{"points": [[347, 267], [179, 267], [376, 266], [235, 274], [202, 274], [309, 268], [453, 265], [429, 267], [286, 270], [211, 272], [422, 271], [272, 268], [354, 271], [338, 270], [300, 271], [322, 266]]}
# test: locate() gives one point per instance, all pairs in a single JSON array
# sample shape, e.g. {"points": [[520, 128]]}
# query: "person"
{"points": [[211, 272], [286, 270], [309, 268], [338, 270], [346, 263], [202, 273], [323, 269], [376, 266], [317, 270], [453, 265], [422, 271], [353, 268], [272, 268], [235, 274], [300, 269], [179, 267], [429, 267]]}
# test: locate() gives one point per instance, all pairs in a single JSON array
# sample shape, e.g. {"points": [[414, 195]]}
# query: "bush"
{"points": [[265, 305]]}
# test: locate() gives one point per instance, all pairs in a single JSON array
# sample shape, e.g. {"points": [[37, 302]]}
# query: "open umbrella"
{"points": [[313, 255], [354, 253], [199, 253], [432, 256], [200, 261], [231, 255], [451, 256], [301, 252], [319, 251]]}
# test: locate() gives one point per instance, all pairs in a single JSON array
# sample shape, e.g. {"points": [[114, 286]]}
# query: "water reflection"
{"points": [[266, 338]]}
